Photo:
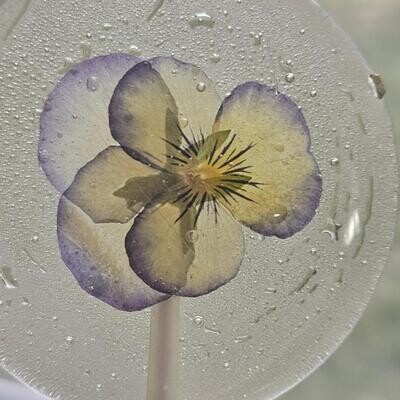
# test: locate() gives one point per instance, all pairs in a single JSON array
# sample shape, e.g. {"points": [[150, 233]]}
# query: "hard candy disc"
{"points": [[298, 292]]}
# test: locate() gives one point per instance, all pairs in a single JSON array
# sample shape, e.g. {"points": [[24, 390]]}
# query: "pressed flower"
{"points": [[159, 176]]}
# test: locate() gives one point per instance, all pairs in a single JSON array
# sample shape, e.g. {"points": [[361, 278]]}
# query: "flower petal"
{"points": [[114, 187], [74, 122], [219, 250], [143, 115], [175, 258], [95, 254], [157, 247], [281, 160], [194, 93]]}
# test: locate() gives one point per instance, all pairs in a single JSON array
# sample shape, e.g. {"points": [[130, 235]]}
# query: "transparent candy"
{"points": [[294, 300]]}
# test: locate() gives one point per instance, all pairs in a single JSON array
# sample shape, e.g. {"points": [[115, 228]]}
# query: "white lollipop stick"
{"points": [[162, 380]]}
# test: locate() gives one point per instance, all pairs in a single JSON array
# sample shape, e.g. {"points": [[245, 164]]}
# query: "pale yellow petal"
{"points": [[287, 182], [114, 187]]}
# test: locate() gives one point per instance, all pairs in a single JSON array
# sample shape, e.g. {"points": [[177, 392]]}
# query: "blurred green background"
{"points": [[367, 365]]}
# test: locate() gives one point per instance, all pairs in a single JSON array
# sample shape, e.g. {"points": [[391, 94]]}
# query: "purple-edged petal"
{"points": [[114, 187], [176, 258], [96, 256], [74, 122], [289, 181], [143, 115], [194, 93]]}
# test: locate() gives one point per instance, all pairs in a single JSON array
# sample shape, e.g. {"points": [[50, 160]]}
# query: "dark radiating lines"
{"points": [[188, 206], [200, 208], [237, 155], [235, 175]]}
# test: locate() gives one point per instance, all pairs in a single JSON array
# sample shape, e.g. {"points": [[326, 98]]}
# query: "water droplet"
{"points": [[212, 330], [183, 121], [68, 63], [43, 156], [35, 238], [25, 302], [92, 83], [257, 38], [37, 112], [69, 340], [215, 58], [334, 162], [226, 365], [201, 87], [313, 93], [201, 19], [241, 339], [198, 320], [134, 50], [192, 236], [377, 85], [290, 77], [8, 280], [279, 214], [302, 31], [107, 26], [260, 237]]}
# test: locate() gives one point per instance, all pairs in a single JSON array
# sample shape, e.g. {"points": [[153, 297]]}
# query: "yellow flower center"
{"points": [[212, 170], [201, 177]]}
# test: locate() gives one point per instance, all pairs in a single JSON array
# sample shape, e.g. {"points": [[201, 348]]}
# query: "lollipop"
{"points": [[188, 188], [234, 183]]}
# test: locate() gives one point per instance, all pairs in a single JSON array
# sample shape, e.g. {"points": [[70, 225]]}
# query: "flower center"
{"points": [[212, 170], [200, 176]]}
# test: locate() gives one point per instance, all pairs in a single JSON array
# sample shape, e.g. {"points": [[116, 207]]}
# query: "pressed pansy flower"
{"points": [[159, 176]]}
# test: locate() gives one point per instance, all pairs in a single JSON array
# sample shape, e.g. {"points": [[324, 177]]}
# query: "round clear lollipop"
{"points": [[264, 309]]}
